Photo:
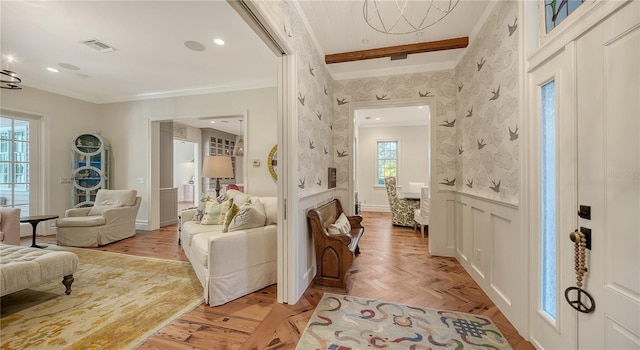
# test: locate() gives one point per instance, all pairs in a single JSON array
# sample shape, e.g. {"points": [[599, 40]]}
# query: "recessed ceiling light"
{"points": [[420, 107], [219, 41], [377, 118], [53, 70], [212, 122]]}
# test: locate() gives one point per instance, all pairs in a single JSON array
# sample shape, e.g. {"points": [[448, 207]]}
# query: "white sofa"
{"points": [[232, 264]]}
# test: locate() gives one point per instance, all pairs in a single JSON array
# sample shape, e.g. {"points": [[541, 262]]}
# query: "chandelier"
{"points": [[238, 149], [405, 16], [9, 79]]}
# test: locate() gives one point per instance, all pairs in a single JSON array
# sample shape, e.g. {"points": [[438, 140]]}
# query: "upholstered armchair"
{"points": [[402, 210], [421, 216], [10, 225], [112, 218]]}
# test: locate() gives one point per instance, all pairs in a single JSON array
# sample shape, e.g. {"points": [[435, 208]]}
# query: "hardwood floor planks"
{"points": [[395, 265]]}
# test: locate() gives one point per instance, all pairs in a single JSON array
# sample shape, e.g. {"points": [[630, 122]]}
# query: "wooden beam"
{"points": [[448, 44]]}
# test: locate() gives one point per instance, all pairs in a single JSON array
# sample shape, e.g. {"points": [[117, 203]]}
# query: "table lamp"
{"points": [[217, 167]]}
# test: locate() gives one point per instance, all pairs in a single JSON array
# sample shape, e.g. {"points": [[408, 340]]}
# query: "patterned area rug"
{"points": [[342, 322], [117, 301]]}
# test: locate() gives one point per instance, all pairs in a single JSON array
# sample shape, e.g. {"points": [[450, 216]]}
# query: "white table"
{"points": [[409, 195]]}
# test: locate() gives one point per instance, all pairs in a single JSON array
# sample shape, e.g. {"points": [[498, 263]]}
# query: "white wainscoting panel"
{"points": [[442, 223], [463, 233], [503, 243], [478, 236], [488, 243]]}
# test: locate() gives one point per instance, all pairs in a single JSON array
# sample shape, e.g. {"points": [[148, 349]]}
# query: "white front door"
{"points": [[586, 107], [608, 113]]}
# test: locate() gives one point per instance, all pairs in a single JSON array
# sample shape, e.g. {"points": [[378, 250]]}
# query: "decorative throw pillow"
{"points": [[98, 209], [214, 212], [221, 198], [202, 202], [231, 213], [250, 215], [340, 226]]}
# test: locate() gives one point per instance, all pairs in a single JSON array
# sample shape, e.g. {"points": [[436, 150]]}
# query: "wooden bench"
{"points": [[334, 252]]}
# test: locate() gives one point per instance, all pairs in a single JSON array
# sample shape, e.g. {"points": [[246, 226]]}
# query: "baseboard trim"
{"points": [[142, 225], [378, 208]]}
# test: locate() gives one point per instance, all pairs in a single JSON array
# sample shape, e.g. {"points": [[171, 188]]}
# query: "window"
{"points": [[387, 160], [555, 11], [548, 196], [14, 163]]}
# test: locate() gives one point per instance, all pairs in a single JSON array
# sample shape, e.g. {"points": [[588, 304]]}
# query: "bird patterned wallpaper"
{"points": [[476, 112], [441, 85], [314, 108], [488, 106]]}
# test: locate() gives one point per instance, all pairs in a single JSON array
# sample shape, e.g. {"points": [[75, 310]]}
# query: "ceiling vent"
{"points": [[98, 45]]}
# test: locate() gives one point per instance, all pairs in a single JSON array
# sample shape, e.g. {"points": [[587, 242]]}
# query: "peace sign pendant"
{"points": [[574, 298]]}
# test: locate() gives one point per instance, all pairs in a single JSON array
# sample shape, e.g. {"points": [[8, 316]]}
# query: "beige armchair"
{"points": [[10, 225], [402, 210], [112, 218]]}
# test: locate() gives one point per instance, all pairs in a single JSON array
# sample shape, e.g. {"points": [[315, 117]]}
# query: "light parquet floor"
{"points": [[394, 265]]}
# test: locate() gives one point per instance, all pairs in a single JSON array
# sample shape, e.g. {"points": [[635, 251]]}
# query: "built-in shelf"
{"points": [[89, 168]]}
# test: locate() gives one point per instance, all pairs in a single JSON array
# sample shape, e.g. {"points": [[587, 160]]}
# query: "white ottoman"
{"points": [[25, 267]]}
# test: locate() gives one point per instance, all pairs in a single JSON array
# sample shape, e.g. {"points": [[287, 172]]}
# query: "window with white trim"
{"points": [[15, 166], [387, 160]]}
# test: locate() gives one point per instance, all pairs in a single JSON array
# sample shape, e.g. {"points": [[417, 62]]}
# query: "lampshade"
{"points": [[217, 167]]}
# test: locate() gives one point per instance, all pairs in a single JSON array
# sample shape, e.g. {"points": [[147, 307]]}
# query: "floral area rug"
{"points": [[342, 322], [117, 301]]}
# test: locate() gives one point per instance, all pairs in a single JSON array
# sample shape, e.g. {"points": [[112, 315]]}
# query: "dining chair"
{"points": [[402, 209], [421, 215]]}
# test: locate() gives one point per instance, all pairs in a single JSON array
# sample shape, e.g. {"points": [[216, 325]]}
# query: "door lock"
{"points": [[585, 212]]}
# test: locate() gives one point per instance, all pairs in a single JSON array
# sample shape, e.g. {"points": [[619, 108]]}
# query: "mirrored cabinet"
{"points": [[89, 169]]}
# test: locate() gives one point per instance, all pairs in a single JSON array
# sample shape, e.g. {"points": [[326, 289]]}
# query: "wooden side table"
{"points": [[34, 220]]}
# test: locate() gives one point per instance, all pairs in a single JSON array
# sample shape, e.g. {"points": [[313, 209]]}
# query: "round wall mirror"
{"points": [[272, 162]]}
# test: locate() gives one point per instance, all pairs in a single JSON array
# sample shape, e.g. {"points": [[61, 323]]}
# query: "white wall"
{"points": [[64, 118], [183, 165], [126, 126], [413, 161], [131, 148]]}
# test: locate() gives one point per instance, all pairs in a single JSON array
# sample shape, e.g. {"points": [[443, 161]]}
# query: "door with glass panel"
{"points": [[587, 177], [15, 167]]}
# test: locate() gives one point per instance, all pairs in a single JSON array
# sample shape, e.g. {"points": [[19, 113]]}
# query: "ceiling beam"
{"points": [[448, 44]]}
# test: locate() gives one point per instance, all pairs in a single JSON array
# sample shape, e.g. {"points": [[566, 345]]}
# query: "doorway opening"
{"points": [[390, 141]]}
